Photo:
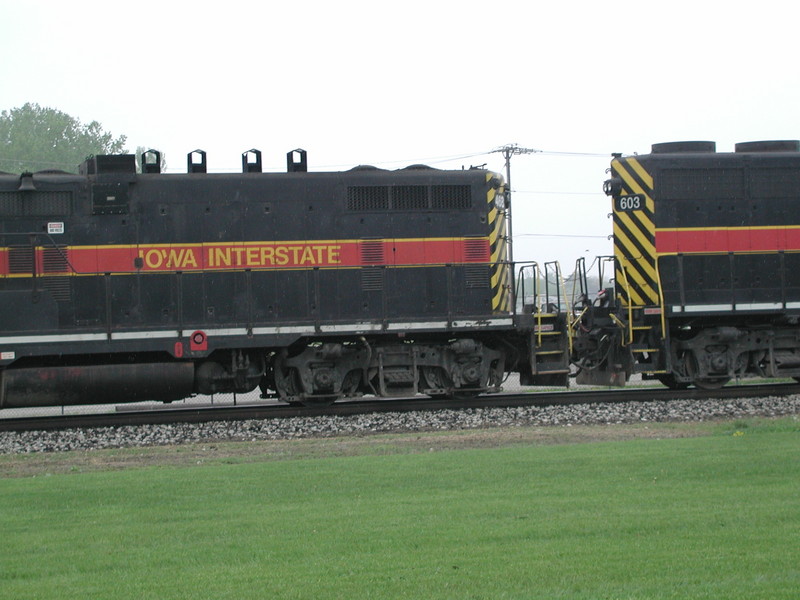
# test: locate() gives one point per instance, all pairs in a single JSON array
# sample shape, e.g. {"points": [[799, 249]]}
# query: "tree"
{"points": [[33, 138]]}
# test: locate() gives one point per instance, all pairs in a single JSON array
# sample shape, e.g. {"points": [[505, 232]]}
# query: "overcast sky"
{"points": [[392, 84]]}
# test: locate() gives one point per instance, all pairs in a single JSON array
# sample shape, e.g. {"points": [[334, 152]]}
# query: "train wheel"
{"points": [[436, 378], [287, 382], [462, 394], [317, 401], [711, 383], [672, 383], [703, 383]]}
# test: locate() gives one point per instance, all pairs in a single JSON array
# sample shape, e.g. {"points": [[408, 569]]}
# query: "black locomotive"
{"points": [[121, 286], [706, 268]]}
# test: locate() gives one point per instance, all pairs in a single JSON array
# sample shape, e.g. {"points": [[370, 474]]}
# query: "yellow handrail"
{"points": [[566, 306], [661, 301], [630, 302]]}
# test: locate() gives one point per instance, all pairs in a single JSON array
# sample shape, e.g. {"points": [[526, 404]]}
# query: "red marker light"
{"points": [[198, 341]]}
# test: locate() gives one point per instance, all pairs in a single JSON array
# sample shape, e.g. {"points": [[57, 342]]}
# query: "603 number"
{"points": [[631, 202]]}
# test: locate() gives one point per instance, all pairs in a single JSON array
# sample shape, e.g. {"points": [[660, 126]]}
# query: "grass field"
{"points": [[712, 516]]}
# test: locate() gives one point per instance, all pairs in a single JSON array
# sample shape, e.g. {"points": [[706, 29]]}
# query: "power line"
{"points": [[551, 192], [562, 235]]}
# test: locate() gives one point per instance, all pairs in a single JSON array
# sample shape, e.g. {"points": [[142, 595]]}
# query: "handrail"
{"points": [[630, 302], [661, 302], [567, 308]]}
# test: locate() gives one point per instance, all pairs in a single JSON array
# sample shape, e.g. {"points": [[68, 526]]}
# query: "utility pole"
{"points": [[508, 151]]}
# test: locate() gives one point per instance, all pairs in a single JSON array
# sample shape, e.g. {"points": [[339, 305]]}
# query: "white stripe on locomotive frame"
{"points": [[733, 307], [352, 328]]}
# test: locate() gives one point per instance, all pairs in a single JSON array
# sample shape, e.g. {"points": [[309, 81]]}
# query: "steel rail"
{"points": [[208, 413]]}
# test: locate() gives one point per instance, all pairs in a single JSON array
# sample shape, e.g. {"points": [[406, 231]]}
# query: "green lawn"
{"points": [[708, 517]]}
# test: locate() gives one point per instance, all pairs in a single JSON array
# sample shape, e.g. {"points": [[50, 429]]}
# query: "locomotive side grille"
{"points": [[476, 276], [10, 203], [451, 196], [774, 183], [372, 279], [410, 197], [368, 197], [371, 252], [35, 204], [476, 250], [59, 287], [701, 184], [54, 260], [20, 259]]}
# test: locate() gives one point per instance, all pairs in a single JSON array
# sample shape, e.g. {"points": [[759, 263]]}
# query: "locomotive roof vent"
{"points": [[196, 162], [366, 168], [769, 146], [254, 165], [151, 161], [297, 161], [675, 147], [417, 167]]}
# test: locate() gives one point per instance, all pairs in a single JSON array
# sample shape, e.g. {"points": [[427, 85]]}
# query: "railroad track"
{"points": [[206, 413]]}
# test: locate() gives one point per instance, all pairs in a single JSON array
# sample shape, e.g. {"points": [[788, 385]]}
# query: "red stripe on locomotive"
{"points": [[687, 241], [266, 255]]}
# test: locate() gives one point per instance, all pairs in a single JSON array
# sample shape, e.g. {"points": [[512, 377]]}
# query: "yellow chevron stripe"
{"points": [[642, 236], [500, 301], [640, 265], [640, 262], [632, 184], [634, 237], [642, 227], [635, 298], [500, 272], [643, 175], [497, 275], [499, 254], [634, 275], [498, 232]]}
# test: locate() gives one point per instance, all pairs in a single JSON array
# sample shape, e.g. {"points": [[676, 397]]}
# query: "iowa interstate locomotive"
{"points": [[706, 268], [122, 286]]}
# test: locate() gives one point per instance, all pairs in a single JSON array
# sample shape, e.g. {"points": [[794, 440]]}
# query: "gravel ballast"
{"points": [[444, 420]]}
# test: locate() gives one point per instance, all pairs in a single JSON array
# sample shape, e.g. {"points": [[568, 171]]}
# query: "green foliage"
{"points": [[711, 517], [33, 138]]}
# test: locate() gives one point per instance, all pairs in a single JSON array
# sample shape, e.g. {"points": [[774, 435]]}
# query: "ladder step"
{"points": [[642, 348]]}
